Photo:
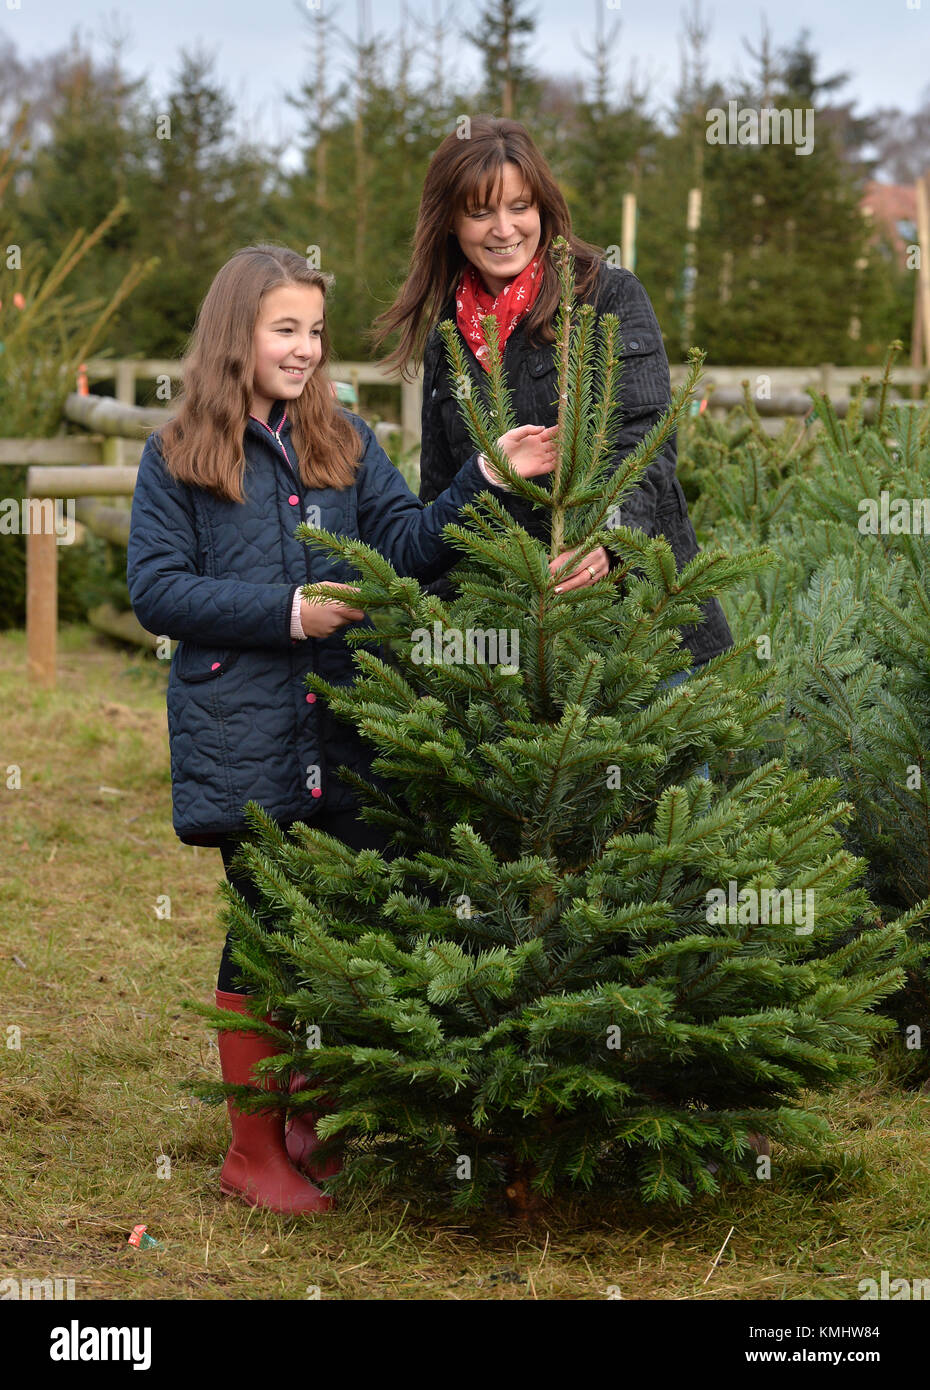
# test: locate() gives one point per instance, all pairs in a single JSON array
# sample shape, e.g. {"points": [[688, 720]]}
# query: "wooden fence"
{"points": [[722, 383], [89, 467], [128, 372]]}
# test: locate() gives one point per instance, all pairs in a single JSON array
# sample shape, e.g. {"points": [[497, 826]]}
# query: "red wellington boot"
{"points": [[257, 1168], [302, 1141]]}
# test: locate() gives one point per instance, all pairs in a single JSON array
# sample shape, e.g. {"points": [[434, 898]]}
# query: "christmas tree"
{"points": [[578, 961], [842, 622]]}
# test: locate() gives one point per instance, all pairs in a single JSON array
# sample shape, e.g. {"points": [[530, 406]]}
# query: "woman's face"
{"points": [[287, 344], [500, 239]]}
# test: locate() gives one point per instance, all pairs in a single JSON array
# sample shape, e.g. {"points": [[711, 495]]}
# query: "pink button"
{"points": [[311, 699], [317, 791], [215, 666], [293, 500]]}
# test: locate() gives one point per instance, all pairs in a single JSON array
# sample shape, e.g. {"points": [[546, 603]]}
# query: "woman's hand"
{"points": [[581, 576], [530, 450], [321, 617]]}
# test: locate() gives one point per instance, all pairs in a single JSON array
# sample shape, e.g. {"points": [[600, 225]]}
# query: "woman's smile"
{"points": [[513, 218]]}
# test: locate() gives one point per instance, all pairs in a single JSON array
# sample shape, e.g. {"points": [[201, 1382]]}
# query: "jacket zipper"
{"points": [[276, 435], [291, 469]]}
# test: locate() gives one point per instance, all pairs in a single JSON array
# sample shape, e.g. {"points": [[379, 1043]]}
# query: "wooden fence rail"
{"points": [[75, 467], [127, 372]]}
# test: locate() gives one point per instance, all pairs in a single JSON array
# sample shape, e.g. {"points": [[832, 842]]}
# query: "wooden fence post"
{"points": [[41, 604], [921, 330], [411, 403], [126, 381], [628, 232]]}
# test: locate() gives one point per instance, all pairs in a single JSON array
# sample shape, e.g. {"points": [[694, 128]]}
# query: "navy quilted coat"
{"points": [[221, 576]]}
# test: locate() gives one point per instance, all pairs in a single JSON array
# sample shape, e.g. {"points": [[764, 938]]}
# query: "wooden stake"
{"points": [[693, 227], [923, 273], [628, 232], [42, 607]]}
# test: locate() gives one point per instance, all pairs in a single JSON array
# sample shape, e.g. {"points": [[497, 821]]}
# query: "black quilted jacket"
{"points": [[657, 506]]}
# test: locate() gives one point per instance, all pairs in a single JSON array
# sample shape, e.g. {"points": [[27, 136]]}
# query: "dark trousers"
{"points": [[342, 825]]}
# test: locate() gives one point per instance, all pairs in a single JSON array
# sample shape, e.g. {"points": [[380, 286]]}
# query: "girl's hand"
{"points": [[321, 617], [530, 449], [580, 577]]}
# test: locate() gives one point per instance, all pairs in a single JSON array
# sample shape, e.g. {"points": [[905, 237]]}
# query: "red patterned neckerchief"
{"points": [[473, 301]]}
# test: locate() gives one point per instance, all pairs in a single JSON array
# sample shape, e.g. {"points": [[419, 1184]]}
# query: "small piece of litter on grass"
{"points": [[21, 963], [112, 791], [141, 1239]]}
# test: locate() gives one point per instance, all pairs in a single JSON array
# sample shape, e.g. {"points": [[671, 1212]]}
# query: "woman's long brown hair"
{"points": [[202, 444], [459, 179]]}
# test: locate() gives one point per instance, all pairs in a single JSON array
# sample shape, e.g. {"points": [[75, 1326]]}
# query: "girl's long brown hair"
{"points": [[203, 442], [459, 179]]}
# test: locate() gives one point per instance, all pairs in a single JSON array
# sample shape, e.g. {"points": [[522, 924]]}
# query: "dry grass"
{"points": [[94, 980]]}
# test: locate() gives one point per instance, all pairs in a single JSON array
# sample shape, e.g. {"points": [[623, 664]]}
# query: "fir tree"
{"points": [[502, 37], [46, 331], [842, 622], [545, 982]]}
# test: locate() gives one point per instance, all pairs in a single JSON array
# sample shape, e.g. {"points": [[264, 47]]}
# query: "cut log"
{"points": [[113, 479], [104, 415], [110, 523]]}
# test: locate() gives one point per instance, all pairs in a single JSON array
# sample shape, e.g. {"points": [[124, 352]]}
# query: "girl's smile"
{"points": [[287, 344]]}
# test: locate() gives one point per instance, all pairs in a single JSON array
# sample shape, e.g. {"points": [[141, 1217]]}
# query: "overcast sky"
{"points": [[262, 46]]}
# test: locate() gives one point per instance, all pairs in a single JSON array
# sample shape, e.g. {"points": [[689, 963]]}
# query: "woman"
{"points": [[489, 212]]}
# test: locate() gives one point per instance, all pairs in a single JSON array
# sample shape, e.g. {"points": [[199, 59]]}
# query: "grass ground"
{"points": [[94, 1098]]}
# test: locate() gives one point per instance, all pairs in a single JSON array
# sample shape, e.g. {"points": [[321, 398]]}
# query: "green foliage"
{"points": [[46, 332], [842, 621], [784, 267], [534, 985]]}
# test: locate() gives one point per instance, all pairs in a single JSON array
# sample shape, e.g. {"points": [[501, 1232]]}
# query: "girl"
{"points": [[257, 445], [489, 212]]}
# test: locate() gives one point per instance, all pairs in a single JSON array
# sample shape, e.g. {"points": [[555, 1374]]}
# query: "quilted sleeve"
{"points": [[395, 522], [167, 593]]}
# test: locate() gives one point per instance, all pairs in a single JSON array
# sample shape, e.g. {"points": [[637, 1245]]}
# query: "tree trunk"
{"points": [[523, 1201]]}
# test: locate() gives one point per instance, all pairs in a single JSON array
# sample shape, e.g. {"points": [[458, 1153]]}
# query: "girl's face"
{"points": [[287, 345], [500, 239]]}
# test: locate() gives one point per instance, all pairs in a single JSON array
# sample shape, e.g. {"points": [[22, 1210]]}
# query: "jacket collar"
{"points": [[278, 420]]}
